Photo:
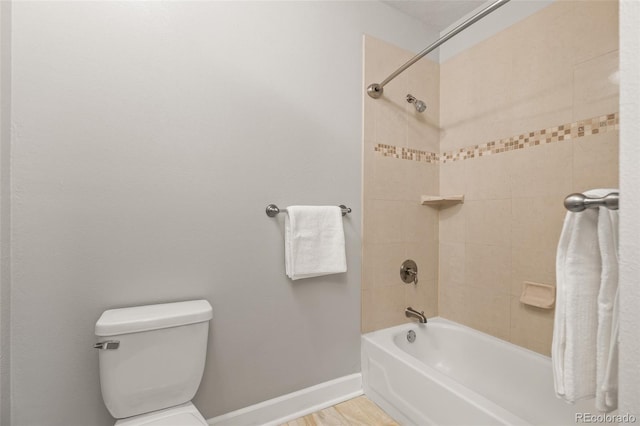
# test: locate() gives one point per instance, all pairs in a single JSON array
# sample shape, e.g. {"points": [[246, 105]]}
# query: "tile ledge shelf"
{"points": [[441, 200]]}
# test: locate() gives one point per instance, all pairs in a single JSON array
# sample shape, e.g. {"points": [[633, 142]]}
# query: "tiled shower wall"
{"points": [[515, 123], [395, 226], [528, 116]]}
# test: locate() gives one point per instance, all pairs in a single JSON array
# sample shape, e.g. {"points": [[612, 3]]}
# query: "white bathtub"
{"points": [[454, 375]]}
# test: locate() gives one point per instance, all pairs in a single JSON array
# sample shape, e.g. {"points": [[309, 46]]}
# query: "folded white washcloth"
{"points": [[314, 241], [586, 275]]}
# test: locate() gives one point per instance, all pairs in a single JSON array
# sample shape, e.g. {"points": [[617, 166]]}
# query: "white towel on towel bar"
{"points": [[607, 337], [584, 337], [314, 241]]}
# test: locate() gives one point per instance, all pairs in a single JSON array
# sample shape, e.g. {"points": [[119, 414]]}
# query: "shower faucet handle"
{"points": [[409, 272]]}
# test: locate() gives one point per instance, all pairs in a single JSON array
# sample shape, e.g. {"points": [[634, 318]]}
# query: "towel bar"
{"points": [[273, 210], [578, 202]]}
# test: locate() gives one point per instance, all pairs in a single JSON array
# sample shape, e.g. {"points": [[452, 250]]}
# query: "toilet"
{"points": [[151, 362]]}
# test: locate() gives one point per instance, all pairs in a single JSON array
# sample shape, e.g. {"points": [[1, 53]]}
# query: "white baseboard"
{"points": [[297, 404]]}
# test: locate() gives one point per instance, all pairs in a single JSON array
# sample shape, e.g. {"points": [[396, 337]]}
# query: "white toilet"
{"points": [[151, 362]]}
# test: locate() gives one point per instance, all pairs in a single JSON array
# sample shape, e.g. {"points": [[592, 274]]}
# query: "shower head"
{"points": [[418, 104]]}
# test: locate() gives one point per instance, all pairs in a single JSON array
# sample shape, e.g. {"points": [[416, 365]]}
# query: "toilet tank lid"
{"points": [[152, 317]]}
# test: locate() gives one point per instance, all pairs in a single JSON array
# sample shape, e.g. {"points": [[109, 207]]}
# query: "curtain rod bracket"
{"points": [[375, 90]]}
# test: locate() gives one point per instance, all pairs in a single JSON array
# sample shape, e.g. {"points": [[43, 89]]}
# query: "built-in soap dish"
{"points": [[441, 200], [538, 295]]}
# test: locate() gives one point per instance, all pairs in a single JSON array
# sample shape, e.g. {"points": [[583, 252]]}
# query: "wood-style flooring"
{"points": [[360, 411]]}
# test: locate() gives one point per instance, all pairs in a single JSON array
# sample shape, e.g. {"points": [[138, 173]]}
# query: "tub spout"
{"points": [[412, 313]]}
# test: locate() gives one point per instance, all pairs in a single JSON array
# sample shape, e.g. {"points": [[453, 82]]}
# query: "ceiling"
{"points": [[436, 14]]}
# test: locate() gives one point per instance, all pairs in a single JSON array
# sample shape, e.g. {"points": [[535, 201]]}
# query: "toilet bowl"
{"points": [[151, 362]]}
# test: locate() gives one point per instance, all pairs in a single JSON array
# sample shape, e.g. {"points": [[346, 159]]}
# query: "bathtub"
{"points": [[454, 375]]}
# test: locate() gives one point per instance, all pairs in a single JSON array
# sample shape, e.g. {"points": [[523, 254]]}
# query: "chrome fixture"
{"points": [[375, 90], [107, 344], [409, 272], [578, 202], [420, 106], [411, 336], [412, 313], [273, 210]]}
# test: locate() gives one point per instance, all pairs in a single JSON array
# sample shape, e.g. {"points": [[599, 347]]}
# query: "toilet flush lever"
{"points": [[107, 344]]}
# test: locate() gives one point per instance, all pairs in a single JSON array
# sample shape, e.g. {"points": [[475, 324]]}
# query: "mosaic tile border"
{"points": [[563, 132], [407, 153]]}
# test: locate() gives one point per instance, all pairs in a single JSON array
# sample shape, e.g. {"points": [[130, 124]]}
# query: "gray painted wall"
{"points": [[5, 207], [147, 139]]}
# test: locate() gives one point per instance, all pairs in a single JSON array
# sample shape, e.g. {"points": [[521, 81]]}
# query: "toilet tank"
{"points": [[159, 360]]}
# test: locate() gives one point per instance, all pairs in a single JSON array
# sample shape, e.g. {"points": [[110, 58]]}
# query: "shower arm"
{"points": [[375, 90]]}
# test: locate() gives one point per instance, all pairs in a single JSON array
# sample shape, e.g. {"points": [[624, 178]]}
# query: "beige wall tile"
{"points": [[426, 256], [384, 222], [488, 267], [453, 178], [367, 267], [538, 346], [423, 80], [531, 327], [420, 223], [488, 222], [383, 264], [452, 263], [388, 306], [367, 171], [395, 225], [541, 82], [452, 224], [424, 83], [451, 299], [488, 312], [487, 178], [459, 134], [596, 162], [386, 177], [595, 88], [478, 308], [550, 69], [422, 132], [475, 101], [368, 127], [537, 222], [532, 263], [423, 297], [456, 104], [547, 70], [542, 171], [381, 58], [422, 179], [391, 120], [593, 27]]}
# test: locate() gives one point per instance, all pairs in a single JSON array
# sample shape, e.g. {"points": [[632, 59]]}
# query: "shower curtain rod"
{"points": [[375, 90]]}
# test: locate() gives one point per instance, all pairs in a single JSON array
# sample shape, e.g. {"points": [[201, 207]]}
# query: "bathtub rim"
{"points": [[390, 332], [383, 340]]}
